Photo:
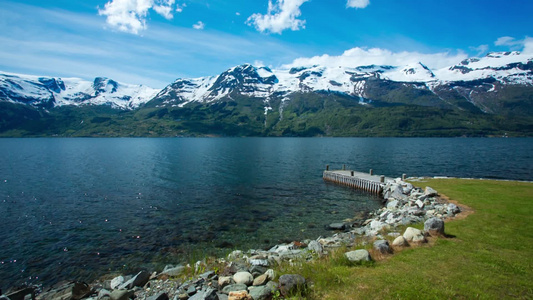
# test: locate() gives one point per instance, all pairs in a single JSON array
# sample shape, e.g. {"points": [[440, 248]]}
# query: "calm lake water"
{"points": [[81, 208]]}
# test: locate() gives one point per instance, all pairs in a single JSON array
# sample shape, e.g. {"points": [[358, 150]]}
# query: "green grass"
{"points": [[489, 257]]}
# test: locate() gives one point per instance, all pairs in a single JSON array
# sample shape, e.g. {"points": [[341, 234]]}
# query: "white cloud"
{"points": [[362, 57], [480, 50], [357, 3], [280, 16], [237, 13], [130, 15], [179, 8], [506, 41], [165, 9], [528, 45], [525, 45], [200, 25]]}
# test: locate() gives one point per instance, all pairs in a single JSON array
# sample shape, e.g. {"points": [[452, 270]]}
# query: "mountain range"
{"points": [[492, 95]]}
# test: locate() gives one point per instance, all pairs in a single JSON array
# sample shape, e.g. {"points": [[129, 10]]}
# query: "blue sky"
{"points": [[154, 42]]}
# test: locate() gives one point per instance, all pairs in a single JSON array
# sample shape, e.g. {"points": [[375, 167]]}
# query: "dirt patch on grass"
{"points": [[465, 210]]}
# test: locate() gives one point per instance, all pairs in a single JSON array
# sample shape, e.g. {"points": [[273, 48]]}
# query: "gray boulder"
{"points": [[234, 288], [382, 246], [116, 282], [393, 204], [358, 255], [171, 270], [263, 292], [430, 192], [453, 209], [336, 226], [205, 294], [121, 294], [434, 226], [291, 283], [160, 296], [138, 280], [316, 247]]}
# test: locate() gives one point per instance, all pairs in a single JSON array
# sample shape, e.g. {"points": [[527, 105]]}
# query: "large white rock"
{"points": [[414, 235], [115, 282], [243, 278], [358, 255], [400, 242]]}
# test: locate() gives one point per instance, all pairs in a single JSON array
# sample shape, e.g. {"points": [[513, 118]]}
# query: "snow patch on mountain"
{"points": [[50, 91]]}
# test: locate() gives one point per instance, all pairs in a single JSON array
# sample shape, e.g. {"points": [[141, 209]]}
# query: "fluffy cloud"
{"points": [[362, 57], [525, 45], [506, 41], [528, 46], [200, 25], [357, 3], [480, 50], [280, 16], [130, 15]]}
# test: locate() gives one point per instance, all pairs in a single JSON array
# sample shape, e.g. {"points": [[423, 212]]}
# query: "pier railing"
{"points": [[364, 181]]}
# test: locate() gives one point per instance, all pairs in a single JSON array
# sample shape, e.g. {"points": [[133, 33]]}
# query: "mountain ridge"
{"points": [[489, 96]]}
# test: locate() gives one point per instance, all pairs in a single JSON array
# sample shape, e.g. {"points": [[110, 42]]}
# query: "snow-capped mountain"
{"points": [[48, 92], [469, 82]]}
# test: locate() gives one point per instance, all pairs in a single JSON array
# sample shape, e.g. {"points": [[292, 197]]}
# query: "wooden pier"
{"points": [[364, 181]]}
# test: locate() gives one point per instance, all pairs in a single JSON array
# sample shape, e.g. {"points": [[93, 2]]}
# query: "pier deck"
{"points": [[359, 180]]}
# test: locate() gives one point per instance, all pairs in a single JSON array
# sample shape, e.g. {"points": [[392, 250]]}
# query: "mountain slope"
{"points": [[484, 84], [48, 92], [489, 96]]}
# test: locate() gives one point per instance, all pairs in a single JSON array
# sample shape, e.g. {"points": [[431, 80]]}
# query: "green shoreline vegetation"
{"points": [[487, 255]]}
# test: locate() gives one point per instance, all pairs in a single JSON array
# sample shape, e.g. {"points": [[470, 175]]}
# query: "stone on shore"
{"points": [[434, 226], [400, 242], [453, 209], [358, 255], [316, 247], [234, 287], [291, 283], [67, 290], [224, 281], [260, 280], [205, 294], [337, 226], [160, 296], [382, 246], [260, 292], [121, 294], [243, 277], [116, 282], [239, 295], [271, 274], [393, 204], [138, 280], [171, 270], [414, 235], [430, 192]]}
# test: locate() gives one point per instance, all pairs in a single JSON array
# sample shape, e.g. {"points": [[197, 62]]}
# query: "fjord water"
{"points": [[82, 208]]}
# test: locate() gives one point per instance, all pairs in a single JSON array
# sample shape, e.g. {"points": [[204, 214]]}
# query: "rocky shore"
{"points": [[251, 275]]}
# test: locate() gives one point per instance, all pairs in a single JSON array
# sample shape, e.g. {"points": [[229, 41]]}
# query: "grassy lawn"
{"points": [[490, 255]]}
